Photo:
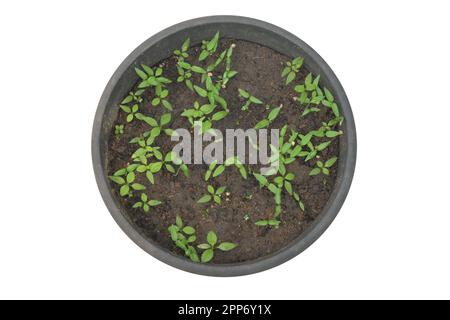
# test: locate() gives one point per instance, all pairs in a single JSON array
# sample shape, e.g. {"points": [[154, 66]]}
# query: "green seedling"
{"points": [[264, 123], [311, 95], [209, 47], [216, 170], [305, 140], [130, 111], [183, 237], [145, 148], [203, 114], [213, 194], [330, 103], [211, 245], [126, 177], [145, 203], [323, 167], [182, 54], [212, 93], [133, 96], [185, 71], [161, 95], [157, 127], [166, 162], [118, 129], [249, 99], [291, 69], [150, 77]]}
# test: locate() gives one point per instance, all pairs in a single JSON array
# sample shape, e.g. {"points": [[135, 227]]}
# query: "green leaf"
{"points": [[290, 176], [220, 190], [262, 124], [218, 170], [261, 223], [290, 77], [200, 91], [273, 114], [217, 199], [273, 188], [210, 189], [295, 152], [203, 55], [189, 230], [204, 199], [150, 178], [288, 187], [207, 255], [118, 180], [154, 203], [130, 177], [155, 167], [185, 45], [255, 100], [150, 121], [244, 93], [323, 146], [124, 190], [179, 222], [226, 246], [332, 134], [203, 246], [167, 105], [219, 115], [211, 237], [141, 74], [137, 186], [261, 179], [330, 162], [285, 72], [198, 69], [314, 172], [130, 117], [328, 95], [165, 119]]}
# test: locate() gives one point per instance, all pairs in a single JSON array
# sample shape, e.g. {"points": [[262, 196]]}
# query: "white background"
{"points": [[391, 238]]}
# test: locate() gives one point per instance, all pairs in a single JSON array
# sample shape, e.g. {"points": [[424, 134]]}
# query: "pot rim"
{"points": [[346, 166]]}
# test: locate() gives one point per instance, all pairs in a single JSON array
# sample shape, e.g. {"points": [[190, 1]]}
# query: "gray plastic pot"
{"points": [[159, 47]]}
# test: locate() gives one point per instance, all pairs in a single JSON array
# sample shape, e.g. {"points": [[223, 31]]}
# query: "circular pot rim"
{"points": [[346, 164]]}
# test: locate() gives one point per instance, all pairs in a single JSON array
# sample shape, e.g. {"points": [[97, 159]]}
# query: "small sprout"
{"points": [[270, 118], [182, 54], [246, 217], [291, 69], [130, 111], [211, 245], [183, 237], [311, 95], [209, 47], [126, 179], [161, 95], [330, 103], [133, 96], [204, 114], [323, 167], [145, 203], [150, 77], [249, 99], [118, 129], [215, 195]]}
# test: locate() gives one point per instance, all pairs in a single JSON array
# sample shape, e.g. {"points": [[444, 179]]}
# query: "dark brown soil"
{"points": [[259, 73]]}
